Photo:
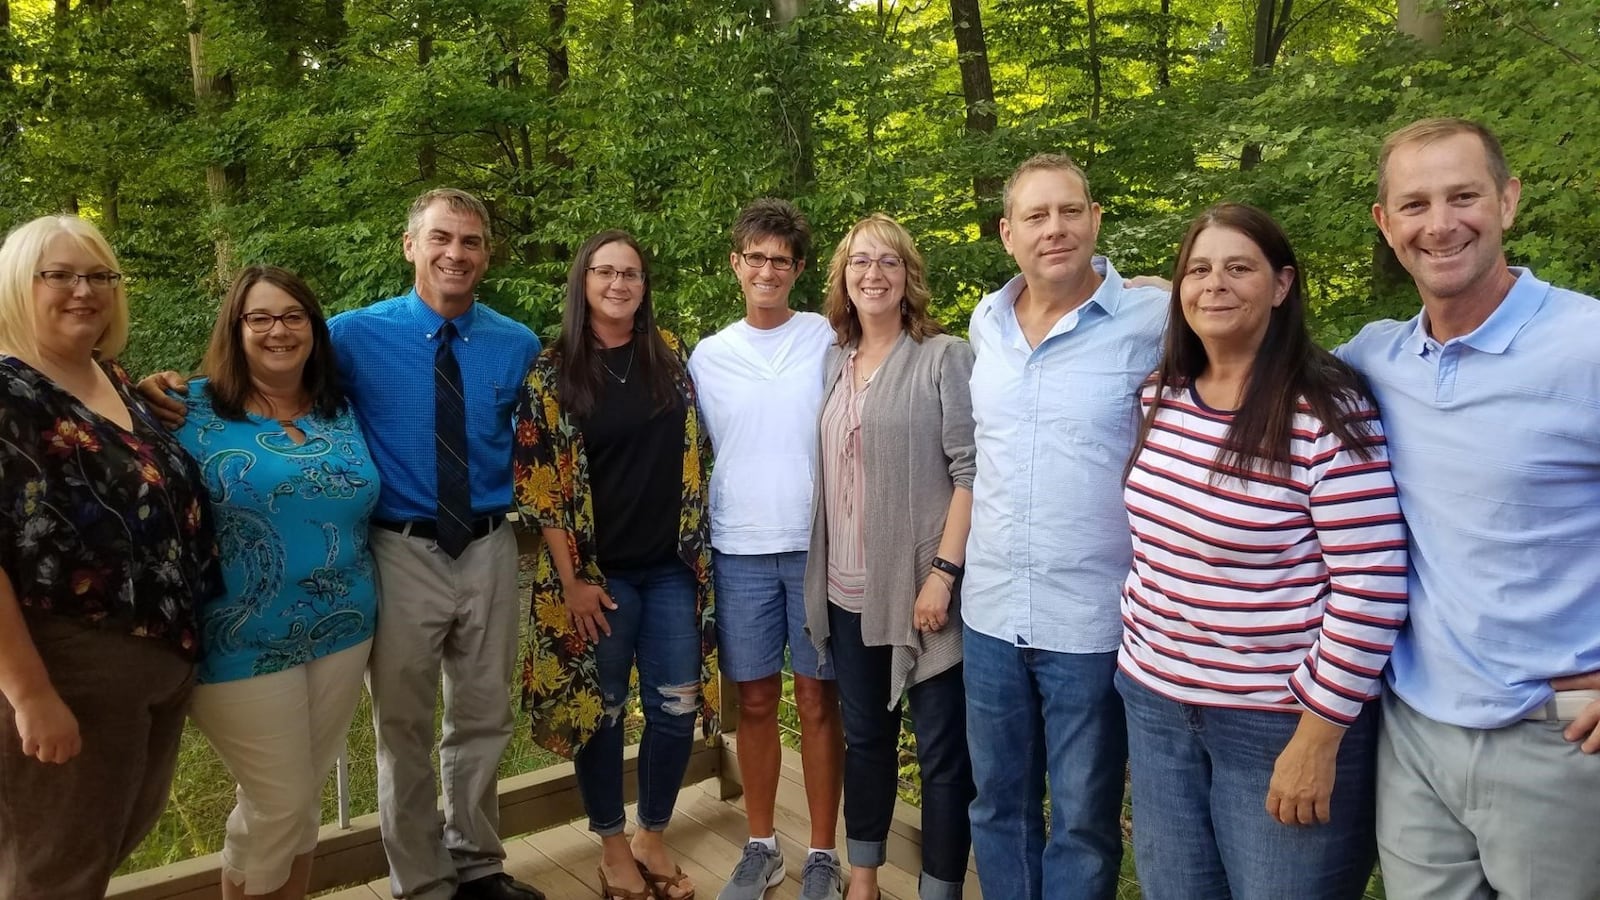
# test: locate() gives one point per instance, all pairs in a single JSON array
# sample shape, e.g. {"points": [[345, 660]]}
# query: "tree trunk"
{"points": [[977, 90], [795, 106], [427, 154], [1097, 89], [213, 94], [8, 126], [1427, 26], [1272, 27], [1164, 47]]}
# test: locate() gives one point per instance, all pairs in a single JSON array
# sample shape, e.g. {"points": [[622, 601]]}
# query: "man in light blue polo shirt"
{"points": [[1061, 351], [1488, 779]]}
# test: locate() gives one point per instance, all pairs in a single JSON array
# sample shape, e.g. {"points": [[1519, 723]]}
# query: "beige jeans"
{"points": [[279, 736]]}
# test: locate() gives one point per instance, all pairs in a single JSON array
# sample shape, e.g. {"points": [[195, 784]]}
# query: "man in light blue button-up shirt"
{"points": [[1061, 351], [1487, 773]]}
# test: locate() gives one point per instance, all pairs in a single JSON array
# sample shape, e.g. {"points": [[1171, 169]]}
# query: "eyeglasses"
{"points": [[260, 322], [612, 273], [62, 280], [757, 260], [886, 264]]}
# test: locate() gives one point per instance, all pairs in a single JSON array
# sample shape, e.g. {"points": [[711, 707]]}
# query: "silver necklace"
{"points": [[628, 370]]}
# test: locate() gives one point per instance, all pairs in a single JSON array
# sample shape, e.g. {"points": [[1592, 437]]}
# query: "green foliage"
{"points": [[672, 116]]}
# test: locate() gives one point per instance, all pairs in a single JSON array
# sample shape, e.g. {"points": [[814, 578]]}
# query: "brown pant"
{"points": [[65, 828]]}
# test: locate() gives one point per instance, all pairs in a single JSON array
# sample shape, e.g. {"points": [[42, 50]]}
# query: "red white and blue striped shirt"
{"points": [[1276, 590]]}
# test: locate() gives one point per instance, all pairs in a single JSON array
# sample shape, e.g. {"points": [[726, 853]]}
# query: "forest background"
{"points": [[204, 135]]}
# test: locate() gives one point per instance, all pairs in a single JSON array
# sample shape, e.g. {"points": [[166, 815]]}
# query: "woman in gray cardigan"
{"points": [[888, 538]]}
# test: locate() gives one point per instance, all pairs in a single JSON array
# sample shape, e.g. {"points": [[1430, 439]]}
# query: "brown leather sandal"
{"points": [[617, 893], [662, 885]]}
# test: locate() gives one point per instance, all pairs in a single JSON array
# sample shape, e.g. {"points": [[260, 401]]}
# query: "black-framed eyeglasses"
{"points": [[612, 273], [62, 280], [885, 263], [757, 260], [260, 322]]}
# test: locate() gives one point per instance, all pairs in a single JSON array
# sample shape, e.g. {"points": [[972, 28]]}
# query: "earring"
{"points": [[905, 308]]}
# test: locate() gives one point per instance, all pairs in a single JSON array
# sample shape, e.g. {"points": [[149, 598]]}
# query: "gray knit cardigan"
{"points": [[916, 447]]}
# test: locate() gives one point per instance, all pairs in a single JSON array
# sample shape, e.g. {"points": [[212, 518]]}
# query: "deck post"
{"points": [[729, 784]]}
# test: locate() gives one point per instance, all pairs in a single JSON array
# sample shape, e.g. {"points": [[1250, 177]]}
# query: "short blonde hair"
{"points": [[914, 315], [20, 256], [1044, 162]]}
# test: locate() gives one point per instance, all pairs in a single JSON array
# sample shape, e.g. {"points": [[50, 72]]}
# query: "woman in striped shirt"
{"points": [[1267, 586]]}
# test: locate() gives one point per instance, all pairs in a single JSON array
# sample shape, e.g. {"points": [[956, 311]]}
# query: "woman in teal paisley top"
{"points": [[293, 486]]}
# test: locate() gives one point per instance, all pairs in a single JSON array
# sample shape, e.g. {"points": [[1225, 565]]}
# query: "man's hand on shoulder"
{"points": [[1586, 727], [1155, 281], [169, 409]]}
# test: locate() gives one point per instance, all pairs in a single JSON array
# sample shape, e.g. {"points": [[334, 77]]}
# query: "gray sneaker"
{"points": [[821, 878], [758, 869]]}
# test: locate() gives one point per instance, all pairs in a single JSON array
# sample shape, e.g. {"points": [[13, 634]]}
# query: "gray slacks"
{"points": [[459, 616], [1475, 814]]}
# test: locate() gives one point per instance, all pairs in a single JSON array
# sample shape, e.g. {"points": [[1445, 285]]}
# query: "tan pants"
{"points": [[65, 828], [279, 736]]}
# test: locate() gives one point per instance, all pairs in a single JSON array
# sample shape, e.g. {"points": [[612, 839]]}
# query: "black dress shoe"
{"points": [[498, 886]]}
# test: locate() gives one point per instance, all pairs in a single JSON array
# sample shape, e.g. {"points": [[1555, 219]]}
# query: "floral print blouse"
{"points": [[560, 682], [105, 526]]}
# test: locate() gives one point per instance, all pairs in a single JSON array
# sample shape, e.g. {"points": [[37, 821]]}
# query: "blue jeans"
{"points": [[872, 759], [655, 624], [1200, 823], [1032, 712]]}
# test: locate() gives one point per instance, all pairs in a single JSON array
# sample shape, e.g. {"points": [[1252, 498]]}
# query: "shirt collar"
{"points": [[1107, 297], [431, 321], [1497, 331]]}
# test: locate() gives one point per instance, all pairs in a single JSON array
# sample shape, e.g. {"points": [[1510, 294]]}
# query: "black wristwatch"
{"points": [[948, 567]]}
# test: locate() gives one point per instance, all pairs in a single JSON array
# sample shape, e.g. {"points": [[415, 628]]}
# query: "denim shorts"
{"points": [[760, 609]]}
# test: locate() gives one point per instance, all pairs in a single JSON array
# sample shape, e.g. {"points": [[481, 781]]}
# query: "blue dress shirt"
{"points": [[1494, 440], [1050, 546], [386, 362]]}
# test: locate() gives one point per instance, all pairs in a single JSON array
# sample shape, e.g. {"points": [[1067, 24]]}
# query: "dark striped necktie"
{"points": [[454, 517]]}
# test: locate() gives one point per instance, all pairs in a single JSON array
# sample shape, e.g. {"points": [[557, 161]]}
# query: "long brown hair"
{"points": [[579, 378], [1288, 367], [914, 315], [228, 369]]}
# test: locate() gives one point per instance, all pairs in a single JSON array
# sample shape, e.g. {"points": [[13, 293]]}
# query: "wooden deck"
{"points": [[707, 835], [559, 855]]}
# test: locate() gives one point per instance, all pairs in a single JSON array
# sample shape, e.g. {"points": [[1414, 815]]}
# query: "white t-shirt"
{"points": [[760, 393]]}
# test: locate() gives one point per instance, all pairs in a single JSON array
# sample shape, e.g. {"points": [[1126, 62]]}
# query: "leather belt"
{"points": [[428, 531], [1563, 707]]}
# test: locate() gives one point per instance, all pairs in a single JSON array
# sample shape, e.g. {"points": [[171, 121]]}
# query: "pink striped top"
{"points": [[844, 487], [1268, 592]]}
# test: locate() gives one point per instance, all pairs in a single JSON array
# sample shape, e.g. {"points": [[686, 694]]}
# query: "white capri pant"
{"points": [[279, 735]]}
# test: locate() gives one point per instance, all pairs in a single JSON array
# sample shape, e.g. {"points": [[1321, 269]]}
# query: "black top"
{"points": [[105, 526], [635, 467]]}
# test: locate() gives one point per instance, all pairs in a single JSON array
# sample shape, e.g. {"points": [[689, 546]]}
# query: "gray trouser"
{"points": [[1474, 814], [459, 615]]}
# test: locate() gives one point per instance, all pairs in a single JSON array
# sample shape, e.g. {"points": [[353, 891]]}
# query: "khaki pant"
{"points": [[457, 617], [65, 828]]}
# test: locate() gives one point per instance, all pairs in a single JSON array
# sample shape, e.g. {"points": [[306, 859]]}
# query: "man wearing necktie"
{"points": [[432, 375]]}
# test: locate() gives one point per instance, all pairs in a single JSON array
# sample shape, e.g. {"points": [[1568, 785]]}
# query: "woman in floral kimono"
{"points": [[611, 465]]}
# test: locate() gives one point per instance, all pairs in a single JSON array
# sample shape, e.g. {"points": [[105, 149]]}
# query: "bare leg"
{"points": [[760, 754], [863, 883], [649, 848], [616, 861], [821, 756], [293, 889]]}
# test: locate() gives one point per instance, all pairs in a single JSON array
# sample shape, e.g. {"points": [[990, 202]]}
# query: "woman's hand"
{"points": [[48, 729], [1301, 789], [586, 604], [931, 611]]}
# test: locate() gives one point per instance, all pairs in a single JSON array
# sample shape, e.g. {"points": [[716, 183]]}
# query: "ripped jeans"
{"points": [[654, 625]]}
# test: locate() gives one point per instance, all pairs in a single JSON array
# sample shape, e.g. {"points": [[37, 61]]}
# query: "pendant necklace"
{"points": [[628, 370]]}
